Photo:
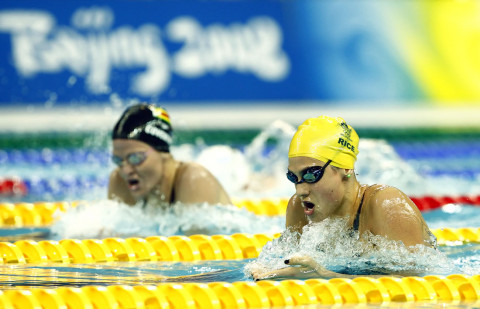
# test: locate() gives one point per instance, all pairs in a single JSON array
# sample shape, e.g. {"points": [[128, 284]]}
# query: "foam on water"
{"points": [[260, 169], [256, 171], [333, 244], [107, 218]]}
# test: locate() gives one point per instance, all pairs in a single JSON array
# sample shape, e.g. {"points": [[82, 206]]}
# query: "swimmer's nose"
{"points": [[126, 168], [302, 189]]}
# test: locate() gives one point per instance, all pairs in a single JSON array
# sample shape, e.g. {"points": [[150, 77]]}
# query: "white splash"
{"points": [[107, 218], [260, 169], [332, 244]]}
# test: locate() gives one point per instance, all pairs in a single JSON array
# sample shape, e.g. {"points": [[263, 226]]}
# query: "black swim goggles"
{"points": [[309, 175], [134, 158]]}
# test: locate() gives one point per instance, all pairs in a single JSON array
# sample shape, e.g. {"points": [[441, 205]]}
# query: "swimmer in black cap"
{"points": [[146, 169]]}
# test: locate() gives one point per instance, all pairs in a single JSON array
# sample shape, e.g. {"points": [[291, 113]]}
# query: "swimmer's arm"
{"points": [[118, 189], [393, 214], [197, 185], [302, 267], [295, 216]]}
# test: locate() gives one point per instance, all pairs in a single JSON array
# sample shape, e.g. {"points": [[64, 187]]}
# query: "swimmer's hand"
{"points": [[301, 267], [304, 267]]}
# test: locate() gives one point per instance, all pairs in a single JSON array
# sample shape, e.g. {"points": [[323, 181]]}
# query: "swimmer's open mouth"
{"points": [[309, 208], [308, 205], [132, 183]]}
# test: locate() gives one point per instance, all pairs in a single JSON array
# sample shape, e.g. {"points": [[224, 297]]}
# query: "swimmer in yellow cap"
{"points": [[322, 156]]}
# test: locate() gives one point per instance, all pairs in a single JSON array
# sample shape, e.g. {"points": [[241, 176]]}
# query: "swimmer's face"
{"points": [[321, 199], [141, 178]]}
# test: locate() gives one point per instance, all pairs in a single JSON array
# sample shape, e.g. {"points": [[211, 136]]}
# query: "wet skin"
{"points": [[161, 179], [386, 211], [140, 179]]}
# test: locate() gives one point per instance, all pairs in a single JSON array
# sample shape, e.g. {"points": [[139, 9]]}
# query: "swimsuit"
{"points": [[179, 170], [356, 222]]}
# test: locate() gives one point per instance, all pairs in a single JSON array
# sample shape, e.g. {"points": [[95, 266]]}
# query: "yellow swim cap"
{"points": [[325, 138]]}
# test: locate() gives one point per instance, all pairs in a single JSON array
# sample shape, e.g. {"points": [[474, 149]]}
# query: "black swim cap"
{"points": [[147, 123]]}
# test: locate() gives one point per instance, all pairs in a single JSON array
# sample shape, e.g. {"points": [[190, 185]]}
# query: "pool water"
{"points": [[119, 273], [58, 166], [420, 165], [457, 259]]}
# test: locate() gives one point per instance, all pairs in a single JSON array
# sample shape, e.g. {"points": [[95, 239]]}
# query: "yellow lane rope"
{"points": [[40, 214], [263, 294], [162, 248], [451, 289]]}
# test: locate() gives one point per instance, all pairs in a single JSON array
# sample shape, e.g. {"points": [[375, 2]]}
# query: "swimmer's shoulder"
{"points": [[294, 202], [116, 181], [295, 216], [377, 194], [193, 171], [196, 183], [382, 200], [376, 199], [391, 213], [115, 175]]}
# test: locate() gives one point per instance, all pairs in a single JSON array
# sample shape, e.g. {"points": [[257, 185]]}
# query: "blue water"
{"points": [[452, 259], [252, 172], [463, 259], [107, 219], [453, 216], [138, 273], [437, 167]]}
